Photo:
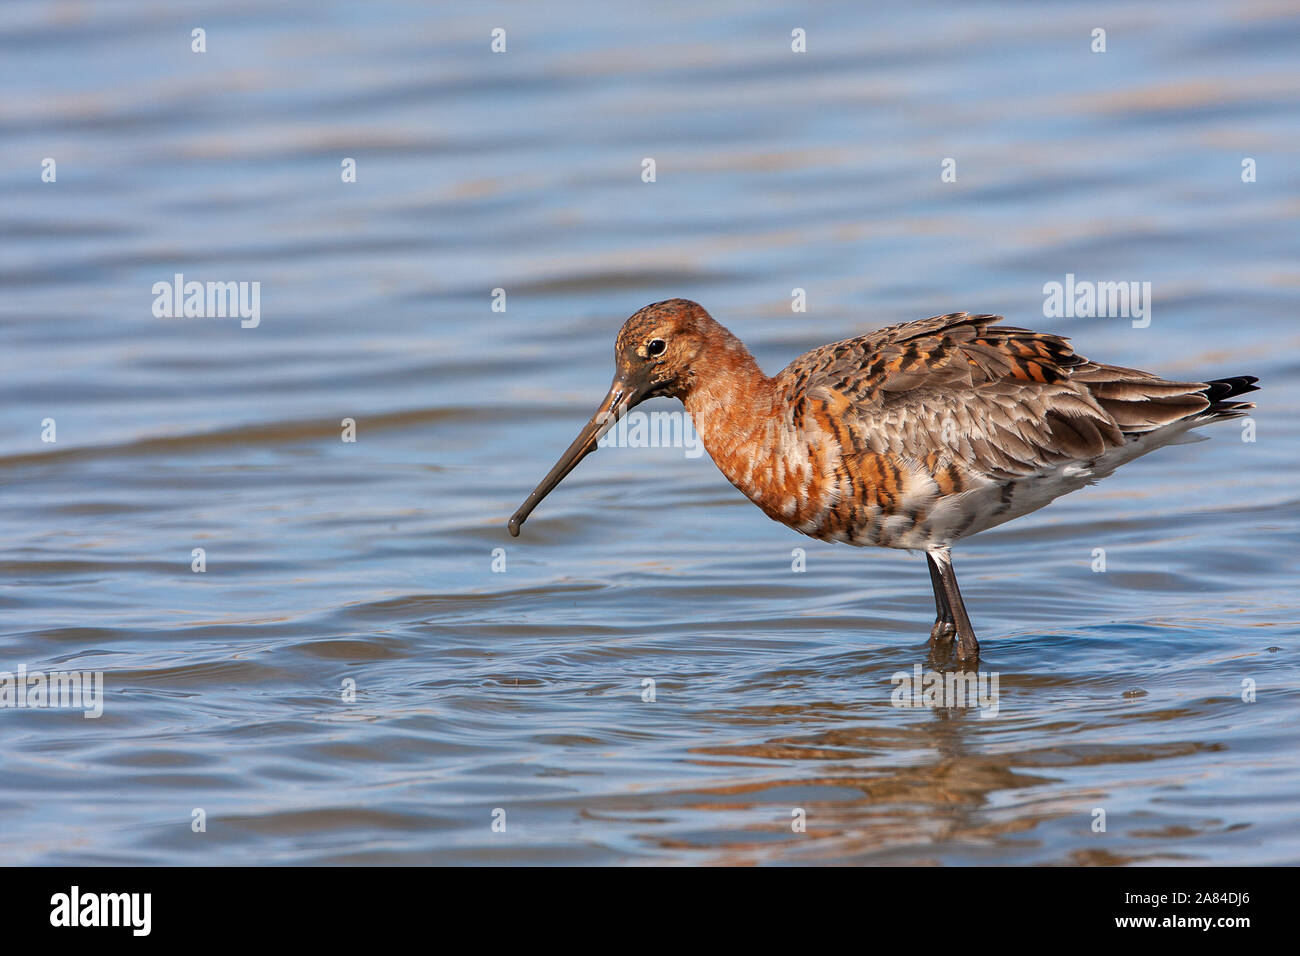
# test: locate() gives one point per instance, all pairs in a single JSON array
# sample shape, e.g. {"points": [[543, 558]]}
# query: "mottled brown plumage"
{"points": [[913, 436]]}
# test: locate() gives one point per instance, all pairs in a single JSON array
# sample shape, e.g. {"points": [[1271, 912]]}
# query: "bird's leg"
{"points": [[968, 648], [944, 628]]}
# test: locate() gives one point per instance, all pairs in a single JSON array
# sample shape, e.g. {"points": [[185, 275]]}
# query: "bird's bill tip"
{"points": [[620, 398]]}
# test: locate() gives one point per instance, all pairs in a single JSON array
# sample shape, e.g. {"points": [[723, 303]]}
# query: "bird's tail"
{"points": [[1222, 388], [1141, 403]]}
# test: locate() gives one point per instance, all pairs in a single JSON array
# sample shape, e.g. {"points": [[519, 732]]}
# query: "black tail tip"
{"points": [[1221, 388]]}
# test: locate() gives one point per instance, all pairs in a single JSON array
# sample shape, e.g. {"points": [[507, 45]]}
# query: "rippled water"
{"points": [[521, 691]]}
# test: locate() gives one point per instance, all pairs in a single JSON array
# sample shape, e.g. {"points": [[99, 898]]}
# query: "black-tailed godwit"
{"points": [[912, 437]]}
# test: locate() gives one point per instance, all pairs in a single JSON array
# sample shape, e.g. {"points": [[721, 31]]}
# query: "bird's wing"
{"points": [[1002, 401]]}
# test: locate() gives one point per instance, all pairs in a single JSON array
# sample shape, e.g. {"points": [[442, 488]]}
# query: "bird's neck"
{"points": [[774, 452], [734, 408], [730, 399]]}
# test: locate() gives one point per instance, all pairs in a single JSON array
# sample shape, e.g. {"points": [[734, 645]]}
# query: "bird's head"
{"points": [[657, 353]]}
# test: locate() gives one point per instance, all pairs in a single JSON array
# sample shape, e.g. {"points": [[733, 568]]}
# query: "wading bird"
{"points": [[912, 437]]}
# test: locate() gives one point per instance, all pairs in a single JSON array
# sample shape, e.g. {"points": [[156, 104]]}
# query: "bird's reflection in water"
{"points": [[852, 783]]}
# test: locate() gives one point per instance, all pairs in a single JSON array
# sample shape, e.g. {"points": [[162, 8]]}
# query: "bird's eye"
{"points": [[655, 347]]}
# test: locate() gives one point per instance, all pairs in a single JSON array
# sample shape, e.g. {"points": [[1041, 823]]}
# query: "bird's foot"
{"points": [[942, 633], [968, 650], [947, 645], [941, 647]]}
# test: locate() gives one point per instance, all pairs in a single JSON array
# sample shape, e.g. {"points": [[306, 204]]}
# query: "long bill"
{"points": [[622, 395]]}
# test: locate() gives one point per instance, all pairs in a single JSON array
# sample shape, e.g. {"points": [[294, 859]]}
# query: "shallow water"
{"points": [[521, 690]]}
